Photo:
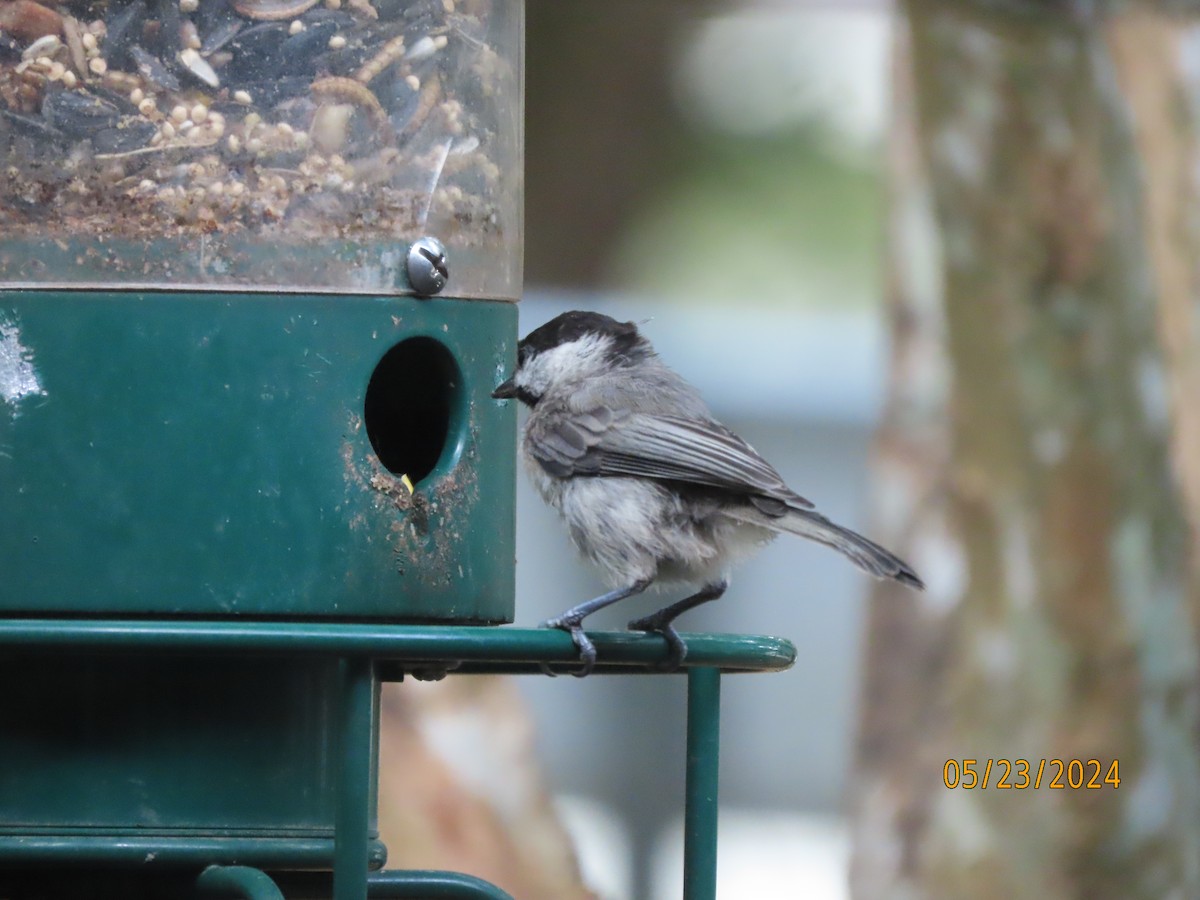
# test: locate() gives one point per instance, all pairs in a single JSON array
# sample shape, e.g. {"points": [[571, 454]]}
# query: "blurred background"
{"points": [[937, 262]]}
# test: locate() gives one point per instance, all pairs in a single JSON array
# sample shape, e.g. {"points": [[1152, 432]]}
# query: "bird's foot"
{"points": [[587, 650], [656, 624]]}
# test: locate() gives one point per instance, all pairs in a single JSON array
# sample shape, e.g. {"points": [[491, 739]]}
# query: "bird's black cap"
{"points": [[571, 326]]}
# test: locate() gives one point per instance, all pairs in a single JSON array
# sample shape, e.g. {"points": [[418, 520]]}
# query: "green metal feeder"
{"points": [[257, 270], [257, 273]]}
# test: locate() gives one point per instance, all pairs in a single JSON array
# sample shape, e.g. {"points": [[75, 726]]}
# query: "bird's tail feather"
{"points": [[864, 553]]}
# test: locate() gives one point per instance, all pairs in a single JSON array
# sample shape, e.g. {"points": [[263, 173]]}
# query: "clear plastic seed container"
{"points": [[260, 144]]}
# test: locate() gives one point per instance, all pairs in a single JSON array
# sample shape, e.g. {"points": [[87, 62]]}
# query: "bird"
{"points": [[652, 488]]}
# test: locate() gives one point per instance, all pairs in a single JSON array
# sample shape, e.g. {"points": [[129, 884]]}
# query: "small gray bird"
{"points": [[653, 489]]}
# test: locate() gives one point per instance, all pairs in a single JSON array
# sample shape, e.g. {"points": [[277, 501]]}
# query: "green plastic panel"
{"points": [[168, 747], [215, 455]]}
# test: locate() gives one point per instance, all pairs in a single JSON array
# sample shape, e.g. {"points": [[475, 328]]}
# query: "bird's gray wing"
{"points": [[670, 448]]}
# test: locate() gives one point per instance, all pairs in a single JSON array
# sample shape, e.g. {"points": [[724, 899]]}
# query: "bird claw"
{"points": [[678, 648], [587, 650]]}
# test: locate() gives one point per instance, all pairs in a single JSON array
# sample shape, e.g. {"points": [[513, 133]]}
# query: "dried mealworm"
{"points": [[349, 90], [388, 54]]}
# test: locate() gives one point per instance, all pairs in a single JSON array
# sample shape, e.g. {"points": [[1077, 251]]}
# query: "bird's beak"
{"points": [[506, 391]]}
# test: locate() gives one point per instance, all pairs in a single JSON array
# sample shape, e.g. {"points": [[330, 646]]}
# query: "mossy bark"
{"points": [[1035, 459]]}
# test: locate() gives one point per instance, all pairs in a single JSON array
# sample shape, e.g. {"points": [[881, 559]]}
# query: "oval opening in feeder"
{"points": [[413, 405]]}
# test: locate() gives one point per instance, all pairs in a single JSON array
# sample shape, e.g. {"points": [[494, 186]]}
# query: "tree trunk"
{"points": [[461, 788], [1040, 459]]}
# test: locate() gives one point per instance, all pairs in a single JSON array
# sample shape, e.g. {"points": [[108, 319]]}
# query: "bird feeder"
{"points": [[257, 260], [224, 392]]}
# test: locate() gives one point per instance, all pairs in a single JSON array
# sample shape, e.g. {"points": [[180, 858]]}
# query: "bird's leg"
{"points": [[660, 622], [571, 622]]}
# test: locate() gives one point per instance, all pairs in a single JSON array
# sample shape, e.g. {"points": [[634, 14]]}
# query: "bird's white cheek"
{"points": [[529, 380], [565, 365]]}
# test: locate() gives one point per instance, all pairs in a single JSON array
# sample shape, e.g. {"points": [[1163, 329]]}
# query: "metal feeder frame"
{"points": [[367, 655]]}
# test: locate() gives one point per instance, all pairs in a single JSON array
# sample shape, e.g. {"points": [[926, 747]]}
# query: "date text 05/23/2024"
{"points": [[1023, 774]]}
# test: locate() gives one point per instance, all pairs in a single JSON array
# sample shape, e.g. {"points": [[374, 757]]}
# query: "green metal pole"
{"points": [[428, 885], [238, 881], [700, 810], [354, 782]]}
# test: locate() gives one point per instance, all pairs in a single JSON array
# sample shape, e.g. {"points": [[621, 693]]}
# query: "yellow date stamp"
{"points": [[1022, 774]]}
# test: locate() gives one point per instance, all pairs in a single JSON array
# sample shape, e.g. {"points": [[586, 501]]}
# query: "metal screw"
{"points": [[427, 269]]}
